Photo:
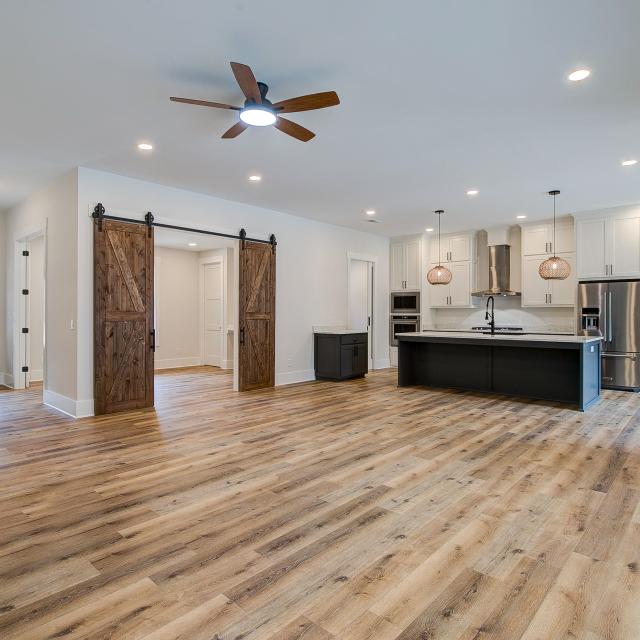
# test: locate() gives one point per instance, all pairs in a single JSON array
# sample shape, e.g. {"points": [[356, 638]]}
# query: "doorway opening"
{"points": [[361, 289], [29, 326], [195, 294]]}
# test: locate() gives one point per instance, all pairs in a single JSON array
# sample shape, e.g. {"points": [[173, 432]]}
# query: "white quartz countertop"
{"points": [[526, 337], [339, 332]]}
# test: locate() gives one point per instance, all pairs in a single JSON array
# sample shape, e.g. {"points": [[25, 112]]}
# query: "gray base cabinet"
{"points": [[340, 356]]}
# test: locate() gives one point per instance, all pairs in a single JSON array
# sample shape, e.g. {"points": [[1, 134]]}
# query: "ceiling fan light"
{"points": [[439, 275], [257, 116]]}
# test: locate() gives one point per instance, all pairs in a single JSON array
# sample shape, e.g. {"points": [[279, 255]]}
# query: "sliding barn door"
{"points": [[257, 352], [123, 316]]}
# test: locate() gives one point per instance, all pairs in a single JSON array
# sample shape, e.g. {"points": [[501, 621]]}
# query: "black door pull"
{"points": [[242, 335], [152, 333]]}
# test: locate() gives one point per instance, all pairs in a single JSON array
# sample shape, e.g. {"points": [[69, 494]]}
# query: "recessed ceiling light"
{"points": [[192, 244], [579, 74], [145, 146], [428, 229], [521, 216], [473, 192], [629, 163], [255, 178], [370, 212]]}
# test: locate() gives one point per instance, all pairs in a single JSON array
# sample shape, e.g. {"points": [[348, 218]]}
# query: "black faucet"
{"points": [[492, 322]]}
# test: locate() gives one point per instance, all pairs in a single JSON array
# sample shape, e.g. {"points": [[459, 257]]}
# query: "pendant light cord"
{"points": [[439, 252], [554, 225]]}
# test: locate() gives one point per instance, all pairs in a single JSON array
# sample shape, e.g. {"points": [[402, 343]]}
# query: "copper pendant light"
{"points": [[439, 274], [554, 268]]}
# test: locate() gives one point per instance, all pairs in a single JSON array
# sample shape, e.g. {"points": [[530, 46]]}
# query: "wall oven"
{"points": [[402, 323], [405, 302]]}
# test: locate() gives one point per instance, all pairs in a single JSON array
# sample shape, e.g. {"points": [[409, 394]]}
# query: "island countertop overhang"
{"points": [[529, 340]]}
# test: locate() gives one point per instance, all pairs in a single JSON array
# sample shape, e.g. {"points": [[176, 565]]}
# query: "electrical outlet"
{"points": [[72, 325]]}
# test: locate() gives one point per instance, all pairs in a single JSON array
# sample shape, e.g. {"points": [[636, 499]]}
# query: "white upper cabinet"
{"points": [[538, 238], [609, 247], [412, 278], [406, 265], [454, 248], [458, 292], [396, 259], [592, 241], [538, 292], [625, 247]]}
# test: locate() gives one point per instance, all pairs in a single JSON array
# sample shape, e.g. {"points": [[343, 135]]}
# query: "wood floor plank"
{"points": [[354, 510]]}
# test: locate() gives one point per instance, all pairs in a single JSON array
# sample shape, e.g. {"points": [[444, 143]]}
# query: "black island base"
{"points": [[542, 367]]}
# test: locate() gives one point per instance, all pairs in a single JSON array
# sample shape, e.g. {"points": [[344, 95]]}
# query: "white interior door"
{"points": [[361, 276], [35, 321], [213, 314]]}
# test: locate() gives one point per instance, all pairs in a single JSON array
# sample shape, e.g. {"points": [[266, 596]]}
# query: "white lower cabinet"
{"points": [[458, 292], [537, 292]]}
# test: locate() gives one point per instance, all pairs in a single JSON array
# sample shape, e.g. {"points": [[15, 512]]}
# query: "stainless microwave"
{"points": [[405, 302]]}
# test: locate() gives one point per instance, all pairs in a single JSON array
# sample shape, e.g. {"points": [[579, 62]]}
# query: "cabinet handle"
{"points": [[550, 298], [610, 269], [606, 269]]}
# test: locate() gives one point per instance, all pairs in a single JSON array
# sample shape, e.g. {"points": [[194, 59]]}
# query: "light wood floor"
{"points": [[350, 510]]}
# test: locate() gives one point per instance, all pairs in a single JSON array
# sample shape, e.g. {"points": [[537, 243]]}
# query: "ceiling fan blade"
{"points": [[247, 81], [235, 131], [293, 129], [308, 103], [204, 103]]}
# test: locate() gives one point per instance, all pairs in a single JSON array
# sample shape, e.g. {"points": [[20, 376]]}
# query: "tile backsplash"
{"points": [[508, 312]]}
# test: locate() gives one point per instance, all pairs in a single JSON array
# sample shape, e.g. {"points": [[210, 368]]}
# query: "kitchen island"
{"points": [[560, 368]]}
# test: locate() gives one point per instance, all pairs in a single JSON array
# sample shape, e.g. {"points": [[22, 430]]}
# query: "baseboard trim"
{"points": [[59, 402], [68, 406], [292, 377], [6, 380], [381, 363], [178, 363], [35, 375], [227, 364]]}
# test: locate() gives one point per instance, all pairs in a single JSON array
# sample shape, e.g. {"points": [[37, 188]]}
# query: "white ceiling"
{"points": [[172, 239], [437, 97]]}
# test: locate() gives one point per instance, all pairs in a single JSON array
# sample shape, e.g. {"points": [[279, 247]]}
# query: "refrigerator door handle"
{"points": [[609, 318], [631, 356]]}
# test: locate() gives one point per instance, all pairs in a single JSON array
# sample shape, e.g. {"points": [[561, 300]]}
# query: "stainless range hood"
{"points": [[499, 272]]}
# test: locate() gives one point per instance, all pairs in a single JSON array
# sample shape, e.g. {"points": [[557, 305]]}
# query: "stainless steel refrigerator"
{"points": [[612, 310]]}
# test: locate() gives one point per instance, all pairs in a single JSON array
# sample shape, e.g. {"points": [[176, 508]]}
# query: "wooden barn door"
{"points": [[123, 316], [257, 279]]}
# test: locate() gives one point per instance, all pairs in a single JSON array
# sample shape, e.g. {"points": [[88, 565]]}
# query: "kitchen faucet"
{"points": [[492, 322]]}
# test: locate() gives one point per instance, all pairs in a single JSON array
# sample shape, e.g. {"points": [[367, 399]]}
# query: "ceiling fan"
{"points": [[258, 111]]}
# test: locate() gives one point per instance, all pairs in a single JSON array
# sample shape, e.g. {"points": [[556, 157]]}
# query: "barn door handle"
{"points": [[242, 335], [152, 333]]}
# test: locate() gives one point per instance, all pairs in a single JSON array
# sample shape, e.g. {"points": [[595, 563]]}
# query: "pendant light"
{"points": [[554, 268], [439, 274]]}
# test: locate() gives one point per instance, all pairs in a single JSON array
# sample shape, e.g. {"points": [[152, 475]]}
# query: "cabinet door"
{"points": [[563, 292], [438, 294], [360, 359], [397, 259], [535, 289], [591, 235], [535, 240], [460, 285], [347, 360], [459, 248], [625, 247], [565, 238], [412, 253], [433, 250]]}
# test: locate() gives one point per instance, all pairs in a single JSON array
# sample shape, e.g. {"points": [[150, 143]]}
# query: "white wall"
{"points": [[177, 308], [311, 270], [54, 210], [36, 308], [4, 365]]}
